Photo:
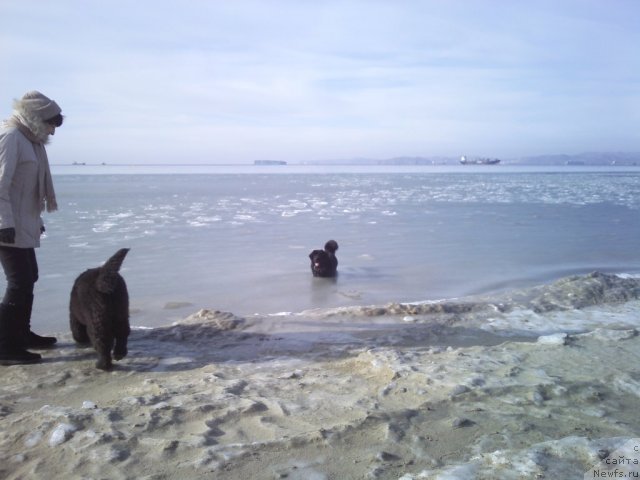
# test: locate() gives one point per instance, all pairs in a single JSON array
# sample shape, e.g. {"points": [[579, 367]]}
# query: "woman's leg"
{"points": [[33, 340], [21, 270]]}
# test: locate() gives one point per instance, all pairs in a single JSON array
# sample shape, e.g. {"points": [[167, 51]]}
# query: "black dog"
{"points": [[99, 310], [324, 262]]}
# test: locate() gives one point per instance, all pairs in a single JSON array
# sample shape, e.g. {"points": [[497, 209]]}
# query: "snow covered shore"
{"points": [[542, 383]]}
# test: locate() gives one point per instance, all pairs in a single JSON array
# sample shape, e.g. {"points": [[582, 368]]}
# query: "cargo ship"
{"points": [[479, 161]]}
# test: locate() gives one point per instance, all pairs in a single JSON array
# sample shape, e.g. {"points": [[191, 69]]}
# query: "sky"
{"points": [[196, 82]]}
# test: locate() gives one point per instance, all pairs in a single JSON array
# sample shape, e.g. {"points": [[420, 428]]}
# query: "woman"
{"points": [[26, 190]]}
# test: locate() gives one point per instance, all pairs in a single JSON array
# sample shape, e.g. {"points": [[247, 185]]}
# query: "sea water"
{"points": [[237, 239]]}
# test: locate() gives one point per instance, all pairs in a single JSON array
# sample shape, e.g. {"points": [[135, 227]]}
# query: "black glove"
{"points": [[8, 235], [42, 229]]}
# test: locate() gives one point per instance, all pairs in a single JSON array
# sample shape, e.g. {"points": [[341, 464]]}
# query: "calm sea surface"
{"points": [[238, 238]]}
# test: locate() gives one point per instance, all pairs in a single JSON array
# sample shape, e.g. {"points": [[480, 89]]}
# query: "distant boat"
{"points": [[479, 161], [269, 162]]}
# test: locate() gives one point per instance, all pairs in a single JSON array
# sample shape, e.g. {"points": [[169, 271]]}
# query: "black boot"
{"points": [[34, 340], [12, 351], [19, 357]]}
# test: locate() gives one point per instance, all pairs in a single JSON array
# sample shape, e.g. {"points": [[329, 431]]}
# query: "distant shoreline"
{"points": [[614, 159], [348, 164]]}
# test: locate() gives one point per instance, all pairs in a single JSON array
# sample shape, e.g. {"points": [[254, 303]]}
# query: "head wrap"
{"points": [[35, 103]]}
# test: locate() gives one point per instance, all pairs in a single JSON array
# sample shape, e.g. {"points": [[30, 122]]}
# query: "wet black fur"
{"points": [[99, 310], [324, 262]]}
